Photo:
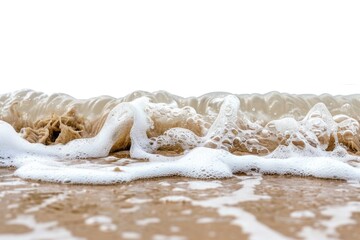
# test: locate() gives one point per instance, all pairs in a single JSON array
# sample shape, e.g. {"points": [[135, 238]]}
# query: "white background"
{"points": [[91, 48]]}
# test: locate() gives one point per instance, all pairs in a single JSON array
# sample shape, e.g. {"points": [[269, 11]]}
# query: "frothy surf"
{"points": [[61, 139]]}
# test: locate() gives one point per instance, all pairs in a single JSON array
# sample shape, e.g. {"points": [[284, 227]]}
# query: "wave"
{"points": [[106, 140]]}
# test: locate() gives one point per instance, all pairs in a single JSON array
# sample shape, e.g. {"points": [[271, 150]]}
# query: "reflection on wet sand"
{"points": [[244, 207]]}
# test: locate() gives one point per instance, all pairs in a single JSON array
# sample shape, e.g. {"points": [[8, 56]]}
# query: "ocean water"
{"points": [[107, 140]]}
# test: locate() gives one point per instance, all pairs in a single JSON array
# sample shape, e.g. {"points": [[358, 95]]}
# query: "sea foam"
{"points": [[168, 137]]}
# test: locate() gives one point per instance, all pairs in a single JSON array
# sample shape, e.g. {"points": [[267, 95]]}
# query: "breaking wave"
{"points": [[105, 140]]}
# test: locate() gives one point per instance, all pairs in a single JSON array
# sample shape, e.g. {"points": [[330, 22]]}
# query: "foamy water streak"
{"points": [[213, 136]]}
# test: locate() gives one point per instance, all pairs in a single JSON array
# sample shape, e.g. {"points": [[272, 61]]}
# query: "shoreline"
{"points": [[181, 208]]}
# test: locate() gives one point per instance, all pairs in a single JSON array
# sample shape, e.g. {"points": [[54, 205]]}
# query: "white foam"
{"points": [[339, 216], [178, 190], [168, 237], [186, 212], [198, 163], [130, 210], [226, 206], [175, 198], [47, 202], [174, 229], [12, 206], [138, 200], [250, 225], [105, 223], [248, 222], [302, 214], [13, 183], [284, 125], [98, 220], [164, 184], [244, 194], [130, 235], [55, 163], [205, 220], [48, 230], [147, 221], [204, 185], [3, 193]]}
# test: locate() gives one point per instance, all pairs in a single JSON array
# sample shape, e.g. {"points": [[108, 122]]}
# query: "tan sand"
{"points": [[275, 206]]}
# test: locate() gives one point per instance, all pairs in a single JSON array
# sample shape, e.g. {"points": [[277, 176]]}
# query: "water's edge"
{"points": [[212, 136]]}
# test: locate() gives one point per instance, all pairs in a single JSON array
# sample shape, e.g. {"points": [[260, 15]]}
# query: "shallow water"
{"points": [[219, 166], [242, 207]]}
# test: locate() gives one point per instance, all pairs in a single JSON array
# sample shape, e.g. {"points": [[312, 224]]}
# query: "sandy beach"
{"points": [[193, 169], [179, 120], [242, 207]]}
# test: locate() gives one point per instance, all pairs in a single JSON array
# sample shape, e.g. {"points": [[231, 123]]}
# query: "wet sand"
{"points": [[243, 207]]}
